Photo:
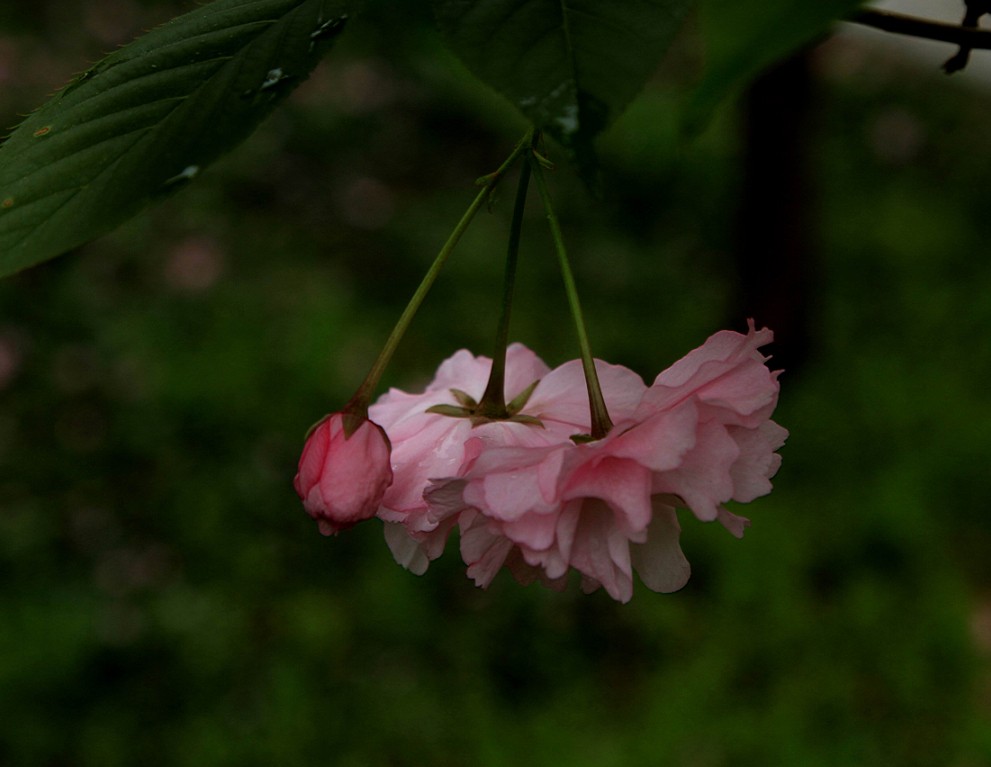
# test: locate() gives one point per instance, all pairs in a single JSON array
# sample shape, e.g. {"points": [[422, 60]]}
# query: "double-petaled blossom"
{"points": [[427, 445], [529, 497], [698, 437], [341, 477]]}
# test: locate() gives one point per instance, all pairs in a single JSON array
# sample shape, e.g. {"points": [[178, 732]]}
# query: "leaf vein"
{"points": [[72, 196]]}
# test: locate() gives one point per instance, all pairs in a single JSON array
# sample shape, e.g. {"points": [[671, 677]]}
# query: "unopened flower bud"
{"points": [[341, 478]]}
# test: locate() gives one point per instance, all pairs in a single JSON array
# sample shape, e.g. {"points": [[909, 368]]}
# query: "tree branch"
{"points": [[901, 24]]}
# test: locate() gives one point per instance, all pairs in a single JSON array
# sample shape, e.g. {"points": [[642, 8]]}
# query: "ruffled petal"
{"points": [[623, 484], [661, 440], [703, 480], [744, 393], [601, 551], [757, 463], [722, 349], [723, 354], [735, 524], [483, 550]]}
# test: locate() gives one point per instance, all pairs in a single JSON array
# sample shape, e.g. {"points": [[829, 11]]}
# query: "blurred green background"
{"points": [[165, 600]]}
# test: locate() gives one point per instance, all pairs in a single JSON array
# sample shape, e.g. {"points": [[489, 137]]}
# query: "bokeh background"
{"points": [[164, 599]]}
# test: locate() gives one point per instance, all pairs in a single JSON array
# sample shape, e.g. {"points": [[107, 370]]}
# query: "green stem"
{"points": [[493, 401], [601, 423], [358, 406]]}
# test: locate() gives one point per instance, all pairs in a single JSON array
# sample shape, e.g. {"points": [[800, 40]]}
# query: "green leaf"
{"points": [[743, 37], [150, 117], [571, 66]]}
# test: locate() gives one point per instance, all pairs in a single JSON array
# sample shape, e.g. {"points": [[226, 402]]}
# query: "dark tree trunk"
{"points": [[775, 251]]}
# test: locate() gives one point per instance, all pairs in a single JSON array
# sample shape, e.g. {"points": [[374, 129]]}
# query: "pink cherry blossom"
{"points": [[428, 445], [698, 437], [341, 479]]}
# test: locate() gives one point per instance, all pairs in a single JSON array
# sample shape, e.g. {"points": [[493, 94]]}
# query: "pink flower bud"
{"points": [[341, 479]]}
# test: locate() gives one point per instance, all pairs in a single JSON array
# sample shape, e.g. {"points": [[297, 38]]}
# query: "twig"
{"points": [[901, 24]]}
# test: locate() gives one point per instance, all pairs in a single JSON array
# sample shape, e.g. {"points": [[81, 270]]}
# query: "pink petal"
{"points": [[722, 349], [469, 373], [556, 560], [703, 480], [562, 394], [445, 498], [735, 524], [749, 391], [661, 440], [722, 354], [660, 562], [623, 484], [437, 451], [757, 462], [602, 552], [523, 367], [462, 370], [482, 550], [512, 481], [534, 531]]}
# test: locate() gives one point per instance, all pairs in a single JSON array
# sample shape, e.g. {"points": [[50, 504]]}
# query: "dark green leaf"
{"points": [[150, 117], [571, 66], [742, 37]]}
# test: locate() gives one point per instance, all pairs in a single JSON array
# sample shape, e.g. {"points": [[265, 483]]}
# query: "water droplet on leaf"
{"points": [[186, 174], [273, 78], [329, 28]]}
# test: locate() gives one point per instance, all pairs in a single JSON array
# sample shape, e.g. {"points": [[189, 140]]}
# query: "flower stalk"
{"points": [[356, 410], [601, 423], [493, 401]]}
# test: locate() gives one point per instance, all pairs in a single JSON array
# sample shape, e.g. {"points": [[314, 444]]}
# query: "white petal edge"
{"points": [[406, 551]]}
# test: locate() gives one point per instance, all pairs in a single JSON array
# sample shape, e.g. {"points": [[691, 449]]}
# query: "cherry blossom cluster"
{"points": [[533, 491]]}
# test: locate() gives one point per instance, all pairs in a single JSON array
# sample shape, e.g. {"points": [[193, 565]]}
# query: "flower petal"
{"points": [[703, 480], [509, 482], [659, 561], [623, 484], [735, 524], [601, 551], [483, 551], [661, 440], [562, 394], [757, 463], [406, 551]]}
